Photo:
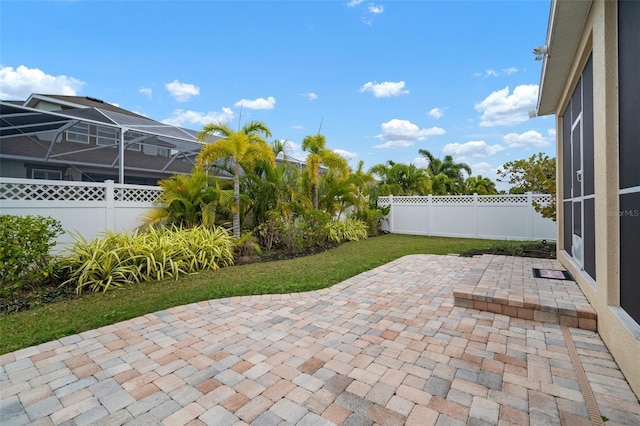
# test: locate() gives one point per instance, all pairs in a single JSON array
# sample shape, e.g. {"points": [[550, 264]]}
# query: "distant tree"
{"points": [[536, 174], [244, 146], [480, 185], [449, 168], [401, 179]]}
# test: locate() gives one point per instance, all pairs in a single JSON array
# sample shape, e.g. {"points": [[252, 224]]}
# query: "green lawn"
{"points": [[314, 272]]}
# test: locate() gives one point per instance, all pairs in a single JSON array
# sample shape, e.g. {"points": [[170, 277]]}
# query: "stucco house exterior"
{"points": [[591, 82]]}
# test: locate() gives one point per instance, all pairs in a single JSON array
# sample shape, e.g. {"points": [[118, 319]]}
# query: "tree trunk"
{"points": [[314, 189], [236, 201]]}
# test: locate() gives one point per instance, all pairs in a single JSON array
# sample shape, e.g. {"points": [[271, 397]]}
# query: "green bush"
{"points": [[119, 259], [25, 243], [348, 230]]}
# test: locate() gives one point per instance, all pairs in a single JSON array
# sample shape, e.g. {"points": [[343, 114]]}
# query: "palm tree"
{"points": [[190, 200], [320, 155], [402, 179], [245, 146], [272, 188], [481, 185], [447, 167]]}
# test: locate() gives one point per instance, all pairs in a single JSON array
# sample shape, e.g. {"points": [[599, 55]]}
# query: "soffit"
{"points": [[566, 24]]}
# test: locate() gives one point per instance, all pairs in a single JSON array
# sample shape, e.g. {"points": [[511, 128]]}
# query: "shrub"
{"points": [[372, 218], [348, 230], [314, 228], [25, 243], [119, 259], [247, 245]]}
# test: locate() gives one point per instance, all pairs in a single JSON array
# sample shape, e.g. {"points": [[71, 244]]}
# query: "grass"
{"points": [[57, 320]]}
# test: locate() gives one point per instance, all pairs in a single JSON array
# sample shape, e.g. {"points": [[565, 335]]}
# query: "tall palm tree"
{"points": [[244, 146], [320, 155]]}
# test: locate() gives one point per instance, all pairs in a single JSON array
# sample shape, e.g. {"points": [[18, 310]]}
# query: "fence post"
{"points": [[391, 214], [429, 208], [531, 212], [110, 211], [475, 213]]}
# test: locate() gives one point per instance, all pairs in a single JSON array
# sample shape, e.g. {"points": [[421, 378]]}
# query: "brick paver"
{"points": [[388, 346]]}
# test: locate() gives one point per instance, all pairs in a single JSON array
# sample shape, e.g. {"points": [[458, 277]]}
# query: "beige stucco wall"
{"points": [[620, 333]]}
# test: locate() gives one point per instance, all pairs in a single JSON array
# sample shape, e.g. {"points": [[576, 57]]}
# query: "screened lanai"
{"points": [[91, 142]]}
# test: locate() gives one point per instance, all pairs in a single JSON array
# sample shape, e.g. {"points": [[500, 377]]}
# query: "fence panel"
{"points": [[507, 216], [85, 208]]}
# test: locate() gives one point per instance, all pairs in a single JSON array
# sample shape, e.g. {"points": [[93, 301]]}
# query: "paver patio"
{"points": [[387, 347]]}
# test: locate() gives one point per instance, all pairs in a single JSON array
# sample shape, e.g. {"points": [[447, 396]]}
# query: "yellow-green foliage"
{"points": [[118, 259], [348, 230]]}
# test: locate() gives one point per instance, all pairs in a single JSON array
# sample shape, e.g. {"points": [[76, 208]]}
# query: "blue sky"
{"points": [[385, 78]]}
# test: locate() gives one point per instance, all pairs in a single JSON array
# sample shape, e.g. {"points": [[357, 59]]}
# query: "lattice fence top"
{"points": [[137, 195], [452, 199], [503, 199], [543, 199], [46, 190], [50, 192], [521, 199]]}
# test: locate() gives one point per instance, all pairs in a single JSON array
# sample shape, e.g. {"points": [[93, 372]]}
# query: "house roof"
{"points": [[72, 102], [566, 23]]}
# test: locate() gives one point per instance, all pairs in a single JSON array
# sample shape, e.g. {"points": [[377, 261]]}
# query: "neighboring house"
{"points": [[86, 139], [591, 82]]}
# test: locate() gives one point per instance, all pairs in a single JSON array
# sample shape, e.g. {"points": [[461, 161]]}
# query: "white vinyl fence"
{"points": [[508, 217], [85, 208]]}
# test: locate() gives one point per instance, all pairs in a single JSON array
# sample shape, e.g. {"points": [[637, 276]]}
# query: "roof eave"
{"points": [[566, 23]]}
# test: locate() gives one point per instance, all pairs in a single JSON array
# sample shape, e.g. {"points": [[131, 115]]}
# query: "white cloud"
{"points": [[491, 73], [436, 113], [182, 91], [311, 96], [489, 171], [369, 13], [297, 126], [386, 89], [181, 117], [19, 83], [146, 91], [260, 103], [346, 154], [510, 70], [472, 148], [525, 140], [503, 109], [403, 133]]}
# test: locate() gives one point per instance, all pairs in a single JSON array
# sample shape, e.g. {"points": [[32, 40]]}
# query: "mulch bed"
{"points": [[537, 250]]}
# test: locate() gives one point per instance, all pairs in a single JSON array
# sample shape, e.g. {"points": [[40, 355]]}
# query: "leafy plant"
{"points": [[247, 245], [348, 230], [119, 259], [190, 200], [536, 174], [25, 244]]}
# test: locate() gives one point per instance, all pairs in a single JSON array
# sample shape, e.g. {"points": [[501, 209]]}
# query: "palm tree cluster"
{"points": [[439, 177], [242, 180]]}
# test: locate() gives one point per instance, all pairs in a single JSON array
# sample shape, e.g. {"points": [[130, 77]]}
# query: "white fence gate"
{"points": [[508, 217], [85, 208]]}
